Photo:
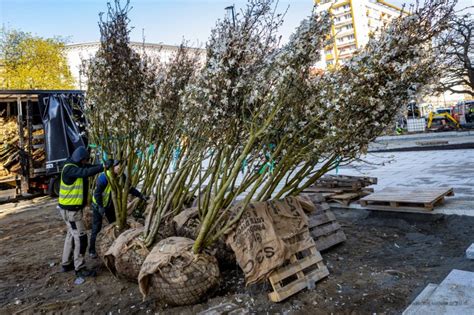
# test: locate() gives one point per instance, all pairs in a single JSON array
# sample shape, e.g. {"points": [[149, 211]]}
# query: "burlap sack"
{"points": [[186, 223], [178, 276], [307, 202], [126, 255], [291, 223], [268, 234]]}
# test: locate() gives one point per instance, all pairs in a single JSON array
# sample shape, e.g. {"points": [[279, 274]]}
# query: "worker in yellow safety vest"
{"points": [[73, 192], [102, 204]]}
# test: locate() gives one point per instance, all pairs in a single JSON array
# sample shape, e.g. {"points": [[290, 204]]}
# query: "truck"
{"points": [[41, 130], [463, 112]]}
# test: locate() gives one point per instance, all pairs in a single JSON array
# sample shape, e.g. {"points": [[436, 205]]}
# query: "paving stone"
{"points": [[453, 168], [470, 252], [455, 295], [420, 300]]}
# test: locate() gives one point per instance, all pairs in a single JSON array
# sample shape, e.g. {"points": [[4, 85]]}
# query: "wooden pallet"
{"points": [[346, 198], [316, 198], [369, 180], [406, 199], [304, 269], [314, 190], [324, 228], [327, 241], [343, 189], [328, 183]]}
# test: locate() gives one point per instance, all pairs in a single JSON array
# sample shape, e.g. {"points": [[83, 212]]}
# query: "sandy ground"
{"points": [[386, 261]]}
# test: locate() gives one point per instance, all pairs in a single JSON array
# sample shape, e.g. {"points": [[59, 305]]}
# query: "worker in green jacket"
{"points": [[73, 193]]}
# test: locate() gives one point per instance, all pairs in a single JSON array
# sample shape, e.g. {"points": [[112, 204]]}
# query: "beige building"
{"points": [[353, 23], [76, 53]]}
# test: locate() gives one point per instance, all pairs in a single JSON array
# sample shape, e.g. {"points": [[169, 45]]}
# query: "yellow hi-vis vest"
{"points": [[105, 193], [71, 195]]}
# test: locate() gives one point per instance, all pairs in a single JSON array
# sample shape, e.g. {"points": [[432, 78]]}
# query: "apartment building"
{"points": [[354, 21]]}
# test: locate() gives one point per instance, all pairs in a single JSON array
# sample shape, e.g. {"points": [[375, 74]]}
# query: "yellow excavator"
{"points": [[442, 122]]}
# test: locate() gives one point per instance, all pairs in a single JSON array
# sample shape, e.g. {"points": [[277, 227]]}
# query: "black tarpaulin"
{"points": [[62, 133]]}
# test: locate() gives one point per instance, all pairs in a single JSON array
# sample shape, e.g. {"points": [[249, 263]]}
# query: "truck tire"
{"points": [[53, 187]]}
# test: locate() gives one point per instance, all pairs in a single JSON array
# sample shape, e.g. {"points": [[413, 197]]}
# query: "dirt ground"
{"points": [[386, 261]]}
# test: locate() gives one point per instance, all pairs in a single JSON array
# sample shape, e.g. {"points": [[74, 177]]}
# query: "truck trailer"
{"points": [[41, 130]]}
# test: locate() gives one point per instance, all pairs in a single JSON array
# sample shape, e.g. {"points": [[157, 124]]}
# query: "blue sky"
{"points": [[166, 21]]}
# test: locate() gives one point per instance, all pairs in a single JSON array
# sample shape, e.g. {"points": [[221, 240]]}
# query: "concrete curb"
{"points": [[457, 146], [424, 136]]}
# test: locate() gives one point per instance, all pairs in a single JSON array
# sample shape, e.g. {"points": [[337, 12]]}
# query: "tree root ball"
{"points": [[129, 263], [108, 235], [105, 238], [87, 218], [176, 274], [127, 254]]}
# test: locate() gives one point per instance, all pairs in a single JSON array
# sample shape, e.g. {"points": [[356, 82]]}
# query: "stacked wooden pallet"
{"points": [[343, 189], [324, 228], [304, 269]]}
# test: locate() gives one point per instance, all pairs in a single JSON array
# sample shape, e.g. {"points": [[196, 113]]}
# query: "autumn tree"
{"points": [[31, 62]]}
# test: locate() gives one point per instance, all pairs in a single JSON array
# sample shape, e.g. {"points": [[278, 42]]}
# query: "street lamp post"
{"points": [[231, 9]]}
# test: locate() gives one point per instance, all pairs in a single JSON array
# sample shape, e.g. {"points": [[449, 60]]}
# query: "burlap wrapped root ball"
{"points": [[127, 254], [87, 217], [108, 235], [104, 240], [176, 275], [187, 224]]}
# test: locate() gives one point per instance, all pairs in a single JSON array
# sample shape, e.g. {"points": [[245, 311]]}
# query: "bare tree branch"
{"points": [[456, 48]]}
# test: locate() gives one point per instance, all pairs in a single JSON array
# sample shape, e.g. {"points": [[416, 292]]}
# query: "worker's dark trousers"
{"points": [[97, 223]]}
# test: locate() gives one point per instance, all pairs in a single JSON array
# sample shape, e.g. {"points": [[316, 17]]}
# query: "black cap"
{"points": [[80, 154]]}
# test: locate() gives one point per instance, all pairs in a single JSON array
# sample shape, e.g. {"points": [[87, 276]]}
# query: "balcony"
{"points": [[343, 22], [346, 43], [344, 33]]}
